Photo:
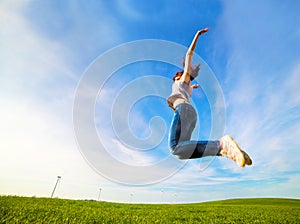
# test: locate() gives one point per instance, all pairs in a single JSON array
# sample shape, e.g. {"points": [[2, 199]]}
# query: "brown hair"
{"points": [[178, 74], [194, 71]]}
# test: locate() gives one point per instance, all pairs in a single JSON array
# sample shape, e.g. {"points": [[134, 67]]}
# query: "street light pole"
{"points": [[175, 196], [58, 178], [100, 189], [131, 195], [162, 195]]}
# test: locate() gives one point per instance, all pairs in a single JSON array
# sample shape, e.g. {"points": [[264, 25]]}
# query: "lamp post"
{"points": [[162, 195], [100, 189], [58, 178], [131, 195], [175, 196]]}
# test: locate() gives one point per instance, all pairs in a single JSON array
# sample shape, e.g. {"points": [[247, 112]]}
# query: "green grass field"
{"points": [[45, 210]]}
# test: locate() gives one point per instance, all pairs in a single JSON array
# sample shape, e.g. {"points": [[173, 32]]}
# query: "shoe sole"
{"points": [[239, 154], [246, 160]]}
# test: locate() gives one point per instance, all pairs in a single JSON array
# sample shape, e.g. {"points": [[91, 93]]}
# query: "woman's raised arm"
{"points": [[189, 55]]}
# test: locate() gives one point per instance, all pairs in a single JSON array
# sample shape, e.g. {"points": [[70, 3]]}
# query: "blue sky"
{"points": [[47, 47]]}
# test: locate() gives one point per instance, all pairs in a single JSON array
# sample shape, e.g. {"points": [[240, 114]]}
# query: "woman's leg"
{"points": [[182, 125], [175, 130], [181, 129], [196, 149]]}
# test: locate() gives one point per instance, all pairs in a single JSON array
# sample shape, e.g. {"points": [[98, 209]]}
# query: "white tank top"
{"points": [[180, 89]]}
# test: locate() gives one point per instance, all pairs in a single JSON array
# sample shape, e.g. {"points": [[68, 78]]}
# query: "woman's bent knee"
{"points": [[179, 154]]}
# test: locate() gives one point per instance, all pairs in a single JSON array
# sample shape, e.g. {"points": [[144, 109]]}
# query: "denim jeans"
{"points": [[182, 126]]}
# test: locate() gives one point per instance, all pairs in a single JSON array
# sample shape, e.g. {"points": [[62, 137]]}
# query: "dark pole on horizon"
{"points": [[131, 195], [162, 195], [100, 189], [58, 178], [175, 196]]}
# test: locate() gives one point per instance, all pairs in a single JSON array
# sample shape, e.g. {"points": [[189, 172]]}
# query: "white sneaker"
{"points": [[231, 149]]}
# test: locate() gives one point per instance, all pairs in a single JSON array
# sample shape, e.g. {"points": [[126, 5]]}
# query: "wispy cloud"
{"points": [[261, 108], [37, 87]]}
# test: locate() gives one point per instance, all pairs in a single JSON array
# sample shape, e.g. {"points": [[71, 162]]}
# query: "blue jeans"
{"points": [[182, 126]]}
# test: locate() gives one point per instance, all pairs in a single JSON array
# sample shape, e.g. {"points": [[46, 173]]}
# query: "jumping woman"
{"points": [[185, 118]]}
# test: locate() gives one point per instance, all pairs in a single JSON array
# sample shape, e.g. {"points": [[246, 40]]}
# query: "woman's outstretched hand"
{"points": [[195, 86], [203, 31]]}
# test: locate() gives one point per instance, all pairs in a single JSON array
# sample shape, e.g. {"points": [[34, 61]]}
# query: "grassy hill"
{"points": [[46, 210]]}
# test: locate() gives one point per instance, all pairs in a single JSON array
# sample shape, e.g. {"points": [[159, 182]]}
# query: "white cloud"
{"points": [[26, 58], [128, 10], [128, 155], [291, 86], [262, 96], [37, 86], [267, 134]]}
